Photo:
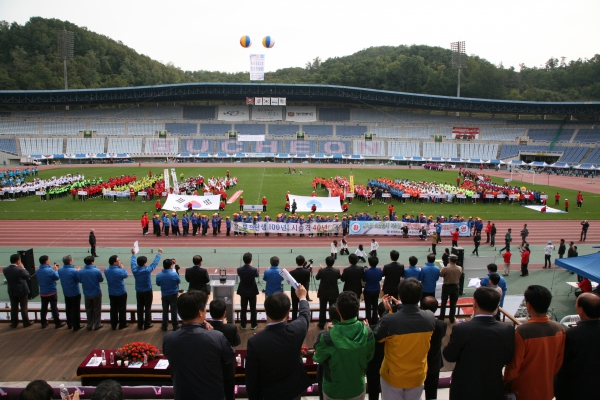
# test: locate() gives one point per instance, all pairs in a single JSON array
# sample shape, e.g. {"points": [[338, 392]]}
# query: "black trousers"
{"points": [[371, 306], [433, 246], [118, 308], [15, 303], [144, 308], [93, 249], [244, 309], [169, 302], [431, 384], [73, 311], [166, 230], [324, 305], [449, 291], [194, 230], [186, 230], [295, 301], [50, 300], [93, 309], [524, 270]]}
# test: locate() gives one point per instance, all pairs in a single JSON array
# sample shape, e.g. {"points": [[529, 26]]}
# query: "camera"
{"points": [[308, 264]]}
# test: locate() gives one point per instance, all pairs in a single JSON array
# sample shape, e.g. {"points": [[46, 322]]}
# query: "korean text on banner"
{"points": [[351, 183], [167, 181], [300, 114], [233, 113], [175, 184], [267, 113], [395, 228], [257, 67]]}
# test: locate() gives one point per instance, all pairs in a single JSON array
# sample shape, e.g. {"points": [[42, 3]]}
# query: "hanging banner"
{"points": [[282, 101], [166, 178], [272, 113], [300, 114], [257, 67], [465, 133], [284, 227], [176, 202], [266, 101], [251, 138], [324, 204], [395, 228], [351, 179], [175, 184], [233, 113], [258, 101]]}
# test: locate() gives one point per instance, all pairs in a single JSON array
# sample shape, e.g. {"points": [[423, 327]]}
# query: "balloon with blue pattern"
{"points": [[268, 42], [245, 41]]}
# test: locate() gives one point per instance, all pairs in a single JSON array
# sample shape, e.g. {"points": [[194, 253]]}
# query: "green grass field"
{"points": [[273, 183]]}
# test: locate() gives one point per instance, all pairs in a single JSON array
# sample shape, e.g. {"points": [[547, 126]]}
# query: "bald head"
{"points": [[429, 303], [588, 306]]}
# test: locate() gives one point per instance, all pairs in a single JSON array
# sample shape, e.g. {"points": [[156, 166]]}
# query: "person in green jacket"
{"points": [[344, 352]]}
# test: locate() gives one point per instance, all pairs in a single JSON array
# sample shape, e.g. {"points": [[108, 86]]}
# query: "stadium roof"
{"points": [[293, 93]]}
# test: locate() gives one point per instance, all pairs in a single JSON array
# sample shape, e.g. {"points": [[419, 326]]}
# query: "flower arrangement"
{"points": [[305, 351], [135, 351]]}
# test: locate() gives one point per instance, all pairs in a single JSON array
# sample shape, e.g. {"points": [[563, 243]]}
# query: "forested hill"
{"points": [[28, 60]]}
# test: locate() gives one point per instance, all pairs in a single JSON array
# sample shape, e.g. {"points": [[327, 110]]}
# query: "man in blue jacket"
{"points": [[143, 287], [492, 269], [175, 224], [47, 277], [90, 281], [273, 277], [70, 280], [430, 274], [115, 277], [166, 224], [169, 281], [185, 224]]}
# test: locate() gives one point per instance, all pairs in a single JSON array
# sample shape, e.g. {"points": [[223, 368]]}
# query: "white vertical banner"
{"points": [[274, 101], [166, 178], [258, 101], [257, 67], [175, 184]]}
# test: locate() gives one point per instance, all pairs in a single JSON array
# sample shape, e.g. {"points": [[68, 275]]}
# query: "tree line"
{"points": [[29, 61]]}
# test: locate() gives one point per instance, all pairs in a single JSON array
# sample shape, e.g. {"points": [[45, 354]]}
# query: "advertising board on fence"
{"points": [[395, 228]]}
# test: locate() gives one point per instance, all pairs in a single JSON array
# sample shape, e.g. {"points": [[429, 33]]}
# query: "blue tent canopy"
{"points": [[586, 266], [495, 161]]}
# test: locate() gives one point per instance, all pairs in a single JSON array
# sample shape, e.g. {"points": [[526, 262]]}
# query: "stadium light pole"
{"points": [[65, 43], [459, 61]]}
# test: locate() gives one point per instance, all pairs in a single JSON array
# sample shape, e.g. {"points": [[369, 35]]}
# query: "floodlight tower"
{"points": [[459, 61], [65, 43]]}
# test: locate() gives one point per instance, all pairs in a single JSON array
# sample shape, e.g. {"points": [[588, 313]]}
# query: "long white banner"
{"points": [[257, 67], [175, 184], [284, 227], [267, 113], [395, 228], [300, 114], [324, 204], [166, 178], [176, 202], [233, 113]]}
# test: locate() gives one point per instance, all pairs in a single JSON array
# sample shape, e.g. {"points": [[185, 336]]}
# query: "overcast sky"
{"points": [[204, 35]]}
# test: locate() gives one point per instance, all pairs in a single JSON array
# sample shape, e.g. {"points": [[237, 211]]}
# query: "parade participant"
{"points": [[195, 224], [228, 226], [455, 236], [92, 242], [175, 224], [185, 224], [145, 223], [566, 205], [264, 203], [158, 206], [294, 206], [334, 249], [374, 247], [360, 253], [344, 247], [241, 203], [166, 223]]}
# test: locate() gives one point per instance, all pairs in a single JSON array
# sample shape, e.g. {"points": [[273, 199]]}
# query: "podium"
{"points": [[225, 291]]}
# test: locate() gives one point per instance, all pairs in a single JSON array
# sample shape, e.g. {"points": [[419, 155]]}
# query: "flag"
{"points": [[266, 101], [249, 100]]}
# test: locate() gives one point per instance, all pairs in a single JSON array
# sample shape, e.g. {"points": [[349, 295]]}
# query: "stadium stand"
{"points": [[317, 130], [108, 128], [164, 112], [199, 112], [128, 113], [406, 149], [180, 128], [250, 129], [593, 157], [327, 114], [501, 134], [40, 114], [195, 146], [161, 146], [19, 128], [482, 151], [143, 128], [268, 146], [214, 129], [438, 119], [445, 150], [548, 134], [85, 145], [369, 149], [386, 132], [512, 150], [286, 130], [41, 146], [350, 130], [231, 146], [87, 114], [63, 128], [8, 146], [334, 147], [446, 132], [301, 146], [402, 117], [129, 145], [574, 155], [420, 132], [362, 115], [587, 136]]}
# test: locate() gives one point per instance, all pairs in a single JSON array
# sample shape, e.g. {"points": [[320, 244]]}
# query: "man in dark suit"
{"points": [[579, 371], [92, 241], [248, 290], [16, 278], [434, 355], [198, 276], [328, 288], [480, 348], [352, 276], [302, 276], [219, 323], [274, 370], [392, 273]]}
